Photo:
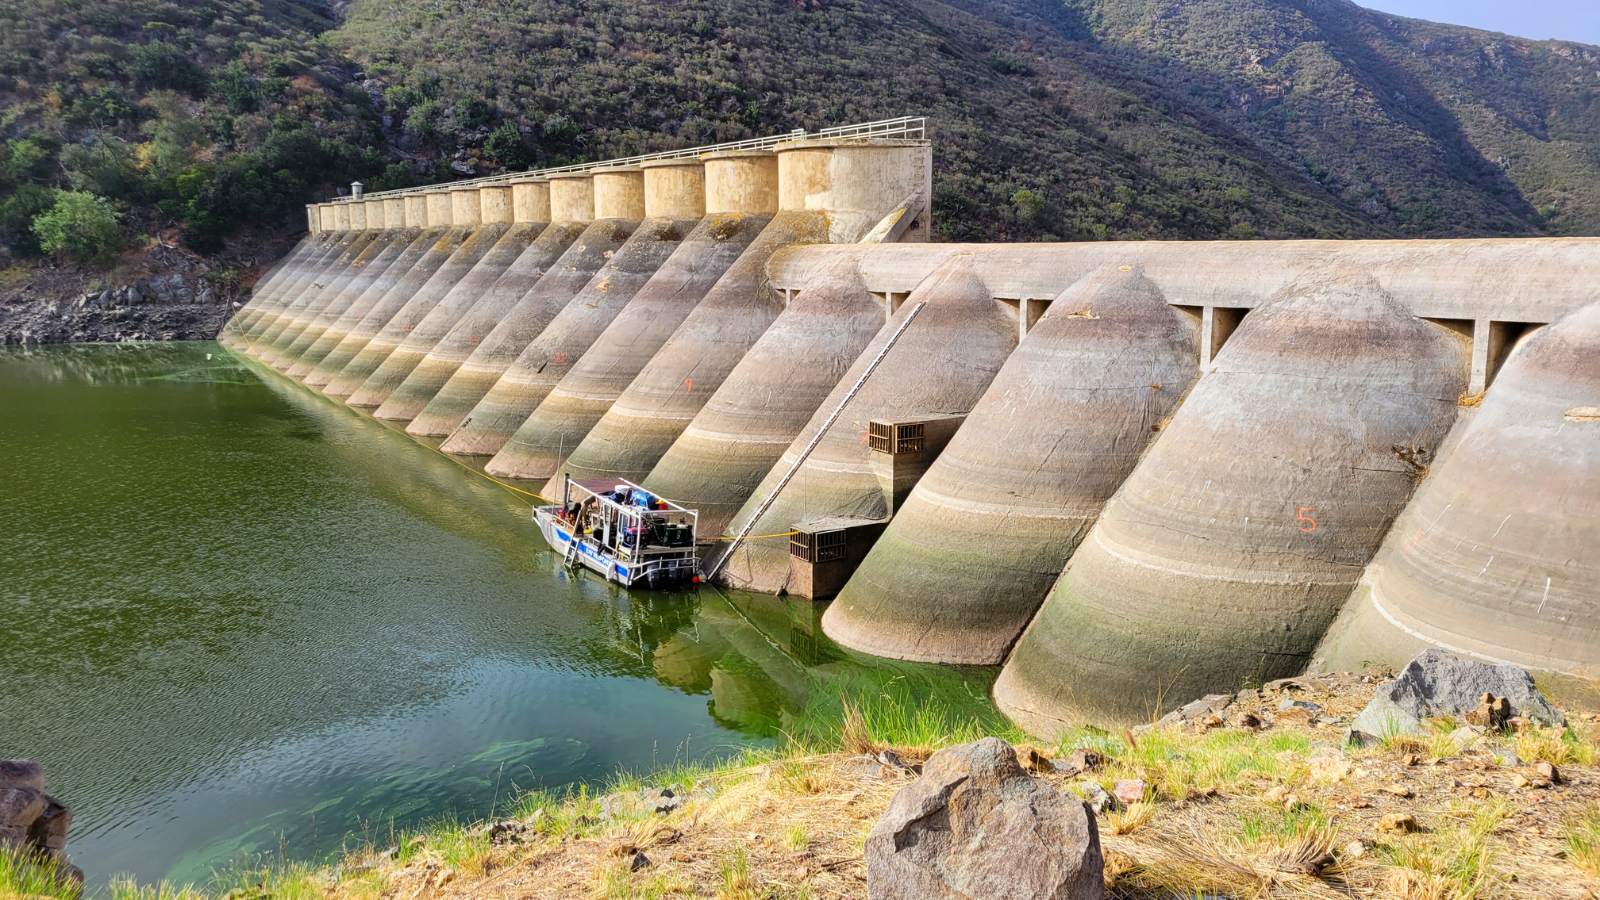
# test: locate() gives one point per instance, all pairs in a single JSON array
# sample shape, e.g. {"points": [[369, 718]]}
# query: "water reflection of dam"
{"points": [[248, 615], [1160, 468]]}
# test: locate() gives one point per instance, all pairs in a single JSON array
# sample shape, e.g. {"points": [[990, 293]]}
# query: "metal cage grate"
{"points": [[824, 547], [886, 437]]}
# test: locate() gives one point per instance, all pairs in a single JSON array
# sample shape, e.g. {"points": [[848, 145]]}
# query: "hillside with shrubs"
{"points": [[201, 126]]}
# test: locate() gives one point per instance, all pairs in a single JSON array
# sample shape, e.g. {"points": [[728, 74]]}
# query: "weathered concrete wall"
{"points": [[456, 303], [432, 372], [967, 562], [768, 398], [956, 341], [437, 244], [741, 189], [309, 367], [476, 241], [454, 403], [567, 337], [1495, 557], [377, 260], [587, 388], [1234, 544], [644, 422]]}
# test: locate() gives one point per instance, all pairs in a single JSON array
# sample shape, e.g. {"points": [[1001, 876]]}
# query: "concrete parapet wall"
{"points": [[675, 188], [496, 205], [855, 183], [394, 212], [466, 207], [358, 216], [572, 198], [313, 220], [530, 201], [341, 216], [416, 211], [744, 182], [439, 209], [619, 192]]}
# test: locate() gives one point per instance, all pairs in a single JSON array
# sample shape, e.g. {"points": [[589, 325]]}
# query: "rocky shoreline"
{"points": [[175, 307]]}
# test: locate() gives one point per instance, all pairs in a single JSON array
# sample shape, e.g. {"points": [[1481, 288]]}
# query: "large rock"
{"points": [[1438, 684], [976, 826], [21, 773], [32, 822]]}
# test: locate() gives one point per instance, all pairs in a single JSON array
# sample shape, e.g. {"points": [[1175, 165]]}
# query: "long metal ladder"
{"points": [[816, 438]]}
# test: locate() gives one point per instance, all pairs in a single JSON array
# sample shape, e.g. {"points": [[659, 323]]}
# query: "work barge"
{"points": [[1130, 473]]}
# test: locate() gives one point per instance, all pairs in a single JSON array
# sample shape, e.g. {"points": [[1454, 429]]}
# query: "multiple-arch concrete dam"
{"points": [[1130, 473]]}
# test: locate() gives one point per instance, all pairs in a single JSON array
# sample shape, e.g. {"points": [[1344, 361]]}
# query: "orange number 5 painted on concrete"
{"points": [[1306, 520]]}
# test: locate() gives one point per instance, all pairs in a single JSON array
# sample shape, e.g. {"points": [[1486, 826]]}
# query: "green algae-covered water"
{"points": [[240, 622]]}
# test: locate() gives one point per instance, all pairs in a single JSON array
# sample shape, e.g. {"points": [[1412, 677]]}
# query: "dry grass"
{"points": [[1277, 813], [1583, 839]]}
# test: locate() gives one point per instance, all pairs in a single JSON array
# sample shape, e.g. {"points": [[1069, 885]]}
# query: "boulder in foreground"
{"points": [[1438, 684], [976, 826]]}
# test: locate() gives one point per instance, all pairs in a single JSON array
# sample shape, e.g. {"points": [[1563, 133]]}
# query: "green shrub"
{"points": [[504, 146], [31, 158], [163, 66], [17, 213], [79, 224]]}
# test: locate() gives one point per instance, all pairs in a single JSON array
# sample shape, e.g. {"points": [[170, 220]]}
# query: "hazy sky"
{"points": [[1571, 20]]}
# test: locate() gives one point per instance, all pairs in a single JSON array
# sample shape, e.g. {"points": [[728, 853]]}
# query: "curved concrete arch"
{"points": [[941, 365], [1228, 552], [1496, 556], [768, 398], [963, 567], [580, 393]]}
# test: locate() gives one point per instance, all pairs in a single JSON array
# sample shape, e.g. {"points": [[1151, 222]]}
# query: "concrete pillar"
{"points": [[341, 216], [416, 211], [1490, 342], [377, 217], [618, 192], [465, 207], [741, 181], [357, 213], [572, 197], [674, 188], [856, 183], [494, 203], [394, 212], [530, 201], [1216, 325], [438, 208], [313, 220]]}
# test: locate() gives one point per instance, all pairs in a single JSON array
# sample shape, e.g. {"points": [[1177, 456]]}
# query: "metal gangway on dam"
{"points": [[1159, 468]]}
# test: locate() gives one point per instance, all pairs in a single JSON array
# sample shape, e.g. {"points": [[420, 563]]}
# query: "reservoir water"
{"points": [[239, 621]]}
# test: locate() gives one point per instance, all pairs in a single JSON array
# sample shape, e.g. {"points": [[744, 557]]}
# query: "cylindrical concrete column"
{"points": [[495, 205], [376, 216], [341, 216], [465, 207], [741, 181], [357, 213], [618, 192], [530, 201], [854, 183], [572, 197], [417, 211], [439, 209], [394, 212], [674, 188]]}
